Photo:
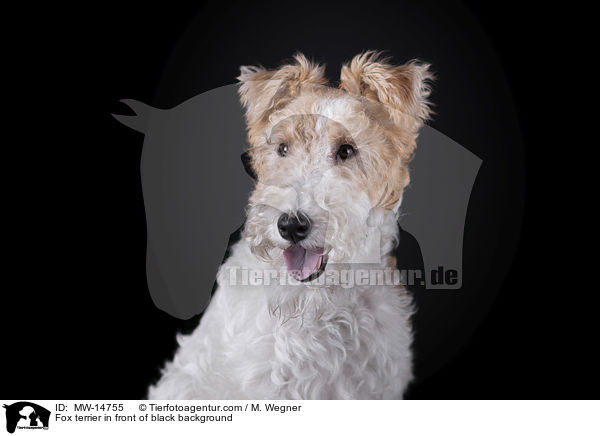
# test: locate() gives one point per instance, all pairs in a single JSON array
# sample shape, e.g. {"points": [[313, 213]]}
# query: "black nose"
{"points": [[293, 228]]}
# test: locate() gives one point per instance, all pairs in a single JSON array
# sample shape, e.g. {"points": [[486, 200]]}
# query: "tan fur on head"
{"points": [[381, 104], [403, 90], [263, 91]]}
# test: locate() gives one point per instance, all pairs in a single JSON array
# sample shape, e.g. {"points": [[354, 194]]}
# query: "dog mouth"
{"points": [[304, 265]]}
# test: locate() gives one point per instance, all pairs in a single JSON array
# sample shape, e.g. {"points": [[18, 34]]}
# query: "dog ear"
{"points": [[402, 90], [263, 91]]}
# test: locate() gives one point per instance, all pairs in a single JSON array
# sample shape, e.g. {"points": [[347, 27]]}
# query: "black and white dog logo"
{"points": [[26, 415]]}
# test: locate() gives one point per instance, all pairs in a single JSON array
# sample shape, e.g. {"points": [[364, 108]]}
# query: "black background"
{"points": [[77, 318]]}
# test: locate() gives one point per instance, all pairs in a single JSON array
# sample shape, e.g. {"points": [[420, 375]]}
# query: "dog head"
{"points": [[330, 162]]}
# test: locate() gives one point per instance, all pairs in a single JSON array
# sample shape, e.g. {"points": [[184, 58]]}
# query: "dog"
{"points": [[331, 165]]}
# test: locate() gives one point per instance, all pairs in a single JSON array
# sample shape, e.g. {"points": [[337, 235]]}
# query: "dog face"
{"points": [[330, 162]]}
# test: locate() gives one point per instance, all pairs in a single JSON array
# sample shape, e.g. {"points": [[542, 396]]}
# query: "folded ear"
{"points": [[263, 91], [403, 90]]}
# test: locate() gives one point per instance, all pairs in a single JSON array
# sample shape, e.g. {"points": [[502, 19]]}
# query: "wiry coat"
{"points": [[285, 340]]}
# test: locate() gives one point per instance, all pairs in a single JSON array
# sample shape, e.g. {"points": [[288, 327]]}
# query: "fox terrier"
{"points": [[290, 319]]}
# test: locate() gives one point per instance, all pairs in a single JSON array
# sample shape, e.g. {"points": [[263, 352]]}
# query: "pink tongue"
{"points": [[300, 263]]}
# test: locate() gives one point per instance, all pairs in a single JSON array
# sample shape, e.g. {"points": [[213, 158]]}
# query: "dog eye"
{"points": [[345, 151], [283, 149]]}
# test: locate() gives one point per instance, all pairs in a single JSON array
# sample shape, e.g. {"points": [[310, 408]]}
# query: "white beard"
{"points": [[282, 341]]}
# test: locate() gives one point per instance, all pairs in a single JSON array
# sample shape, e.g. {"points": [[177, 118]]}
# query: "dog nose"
{"points": [[293, 228]]}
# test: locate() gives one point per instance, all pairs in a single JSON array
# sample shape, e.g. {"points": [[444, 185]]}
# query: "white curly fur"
{"points": [[291, 340]]}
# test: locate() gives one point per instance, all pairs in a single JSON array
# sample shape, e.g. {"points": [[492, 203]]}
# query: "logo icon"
{"points": [[185, 182], [26, 415]]}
